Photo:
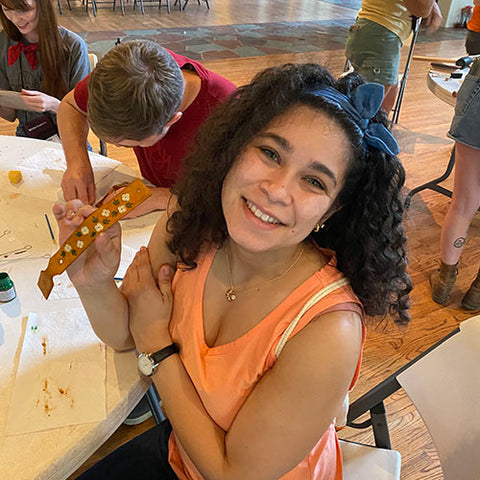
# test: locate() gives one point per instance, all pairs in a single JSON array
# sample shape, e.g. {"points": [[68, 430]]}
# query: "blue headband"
{"points": [[361, 105]]}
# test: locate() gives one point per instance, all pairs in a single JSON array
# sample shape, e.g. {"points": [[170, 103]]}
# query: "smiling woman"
{"points": [[287, 231], [30, 26]]}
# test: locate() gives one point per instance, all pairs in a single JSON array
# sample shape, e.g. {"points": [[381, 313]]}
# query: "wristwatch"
{"points": [[148, 362]]}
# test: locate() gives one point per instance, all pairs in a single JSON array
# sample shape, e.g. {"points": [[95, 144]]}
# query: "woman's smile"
{"points": [[261, 215]]}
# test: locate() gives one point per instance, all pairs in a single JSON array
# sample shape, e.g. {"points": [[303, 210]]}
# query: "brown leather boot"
{"points": [[442, 282], [471, 300]]}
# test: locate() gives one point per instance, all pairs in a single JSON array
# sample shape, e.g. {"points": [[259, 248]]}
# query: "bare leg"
{"points": [[389, 98], [465, 202]]}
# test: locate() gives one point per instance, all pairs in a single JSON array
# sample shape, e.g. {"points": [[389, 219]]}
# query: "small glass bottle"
{"points": [[7, 289]]}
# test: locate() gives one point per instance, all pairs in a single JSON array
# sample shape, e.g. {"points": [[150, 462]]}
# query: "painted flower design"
{"points": [[80, 244], [85, 230], [106, 212], [126, 197], [122, 208], [98, 227], [67, 248]]}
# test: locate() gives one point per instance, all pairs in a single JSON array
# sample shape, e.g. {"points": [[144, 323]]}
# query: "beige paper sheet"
{"points": [[60, 379]]}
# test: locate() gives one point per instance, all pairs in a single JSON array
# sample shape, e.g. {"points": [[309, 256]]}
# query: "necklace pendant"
{"points": [[230, 295]]}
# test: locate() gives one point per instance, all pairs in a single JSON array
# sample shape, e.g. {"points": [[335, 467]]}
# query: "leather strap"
{"points": [[100, 220], [165, 352]]}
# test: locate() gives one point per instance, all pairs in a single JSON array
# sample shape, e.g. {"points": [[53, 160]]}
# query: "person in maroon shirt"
{"points": [[143, 96]]}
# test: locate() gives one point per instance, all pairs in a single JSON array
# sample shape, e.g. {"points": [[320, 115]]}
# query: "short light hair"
{"points": [[134, 91]]}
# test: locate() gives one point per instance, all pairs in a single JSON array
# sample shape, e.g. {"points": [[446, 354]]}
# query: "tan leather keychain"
{"points": [[100, 220]]}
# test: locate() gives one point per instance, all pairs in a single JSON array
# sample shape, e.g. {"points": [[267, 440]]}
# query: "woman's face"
{"points": [[286, 180], [25, 20]]}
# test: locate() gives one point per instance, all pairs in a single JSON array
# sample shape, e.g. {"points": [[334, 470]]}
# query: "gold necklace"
{"points": [[231, 292]]}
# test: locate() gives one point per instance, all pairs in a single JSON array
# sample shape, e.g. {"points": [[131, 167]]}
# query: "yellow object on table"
{"points": [[15, 176]]}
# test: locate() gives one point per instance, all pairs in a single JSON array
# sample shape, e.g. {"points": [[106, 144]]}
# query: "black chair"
{"points": [[96, 3], [60, 11], [150, 3], [434, 184], [186, 2]]}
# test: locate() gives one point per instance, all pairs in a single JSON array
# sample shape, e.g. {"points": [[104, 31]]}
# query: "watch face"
{"points": [[145, 364]]}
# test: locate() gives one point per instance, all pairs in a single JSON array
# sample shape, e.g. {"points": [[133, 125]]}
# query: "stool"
{"points": [[434, 184], [95, 7], [186, 2], [151, 1]]}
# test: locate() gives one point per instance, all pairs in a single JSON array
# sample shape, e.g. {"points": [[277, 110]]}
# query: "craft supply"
{"points": [[50, 229], [97, 222], [7, 289], [15, 176], [16, 252]]}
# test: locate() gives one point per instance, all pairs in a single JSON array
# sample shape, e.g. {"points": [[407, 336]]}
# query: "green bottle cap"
{"points": [[5, 282]]}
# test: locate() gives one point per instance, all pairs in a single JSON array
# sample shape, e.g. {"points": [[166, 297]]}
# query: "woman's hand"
{"points": [[39, 102], [100, 261], [434, 20], [150, 302]]}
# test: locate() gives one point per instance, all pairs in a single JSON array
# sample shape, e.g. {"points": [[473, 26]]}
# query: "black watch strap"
{"points": [[165, 352]]}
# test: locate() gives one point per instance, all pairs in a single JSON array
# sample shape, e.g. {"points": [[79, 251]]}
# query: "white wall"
{"points": [[451, 10]]}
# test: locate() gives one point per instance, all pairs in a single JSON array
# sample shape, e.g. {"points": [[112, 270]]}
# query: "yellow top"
{"points": [[392, 15]]}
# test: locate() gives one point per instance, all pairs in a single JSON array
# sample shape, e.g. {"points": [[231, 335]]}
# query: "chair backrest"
{"points": [[93, 60], [445, 388]]}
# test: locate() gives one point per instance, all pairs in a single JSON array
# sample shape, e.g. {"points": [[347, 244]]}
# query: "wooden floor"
{"points": [[424, 122]]}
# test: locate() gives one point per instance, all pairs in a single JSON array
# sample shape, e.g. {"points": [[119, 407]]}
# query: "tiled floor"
{"points": [[230, 41], [251, 40]]}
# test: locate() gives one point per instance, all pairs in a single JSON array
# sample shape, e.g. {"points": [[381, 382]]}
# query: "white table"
{"points": [[55, 453], [443, 86]]}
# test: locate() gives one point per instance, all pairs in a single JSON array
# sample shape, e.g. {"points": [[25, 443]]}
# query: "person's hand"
{"points": [[150, 302], [434, 20], [39, 101], [78, 182], [100, 261]]}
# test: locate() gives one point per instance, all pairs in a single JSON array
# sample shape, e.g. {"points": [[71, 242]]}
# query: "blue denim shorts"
{"points": [[374, 52], [465, 127]]}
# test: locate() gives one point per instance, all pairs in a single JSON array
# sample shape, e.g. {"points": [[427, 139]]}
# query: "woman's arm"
{"points": [[8, 113], [287, 412], [39, 102], [79, 62]]}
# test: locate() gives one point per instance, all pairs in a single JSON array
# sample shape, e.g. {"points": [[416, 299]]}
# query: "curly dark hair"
{"points": [[366, 232]]}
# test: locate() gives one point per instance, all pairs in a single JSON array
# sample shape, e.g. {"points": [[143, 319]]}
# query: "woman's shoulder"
{"points": [[71, 38]]}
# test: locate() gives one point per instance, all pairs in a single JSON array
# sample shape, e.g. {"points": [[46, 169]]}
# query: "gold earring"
{"points": [[317, 227]]}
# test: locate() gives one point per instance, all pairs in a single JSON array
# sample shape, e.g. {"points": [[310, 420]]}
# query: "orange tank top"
{"points": [[224, 375], [474, 22]]}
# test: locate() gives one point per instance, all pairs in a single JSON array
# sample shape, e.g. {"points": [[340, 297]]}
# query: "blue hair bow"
{"points": [[361, 105]]}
